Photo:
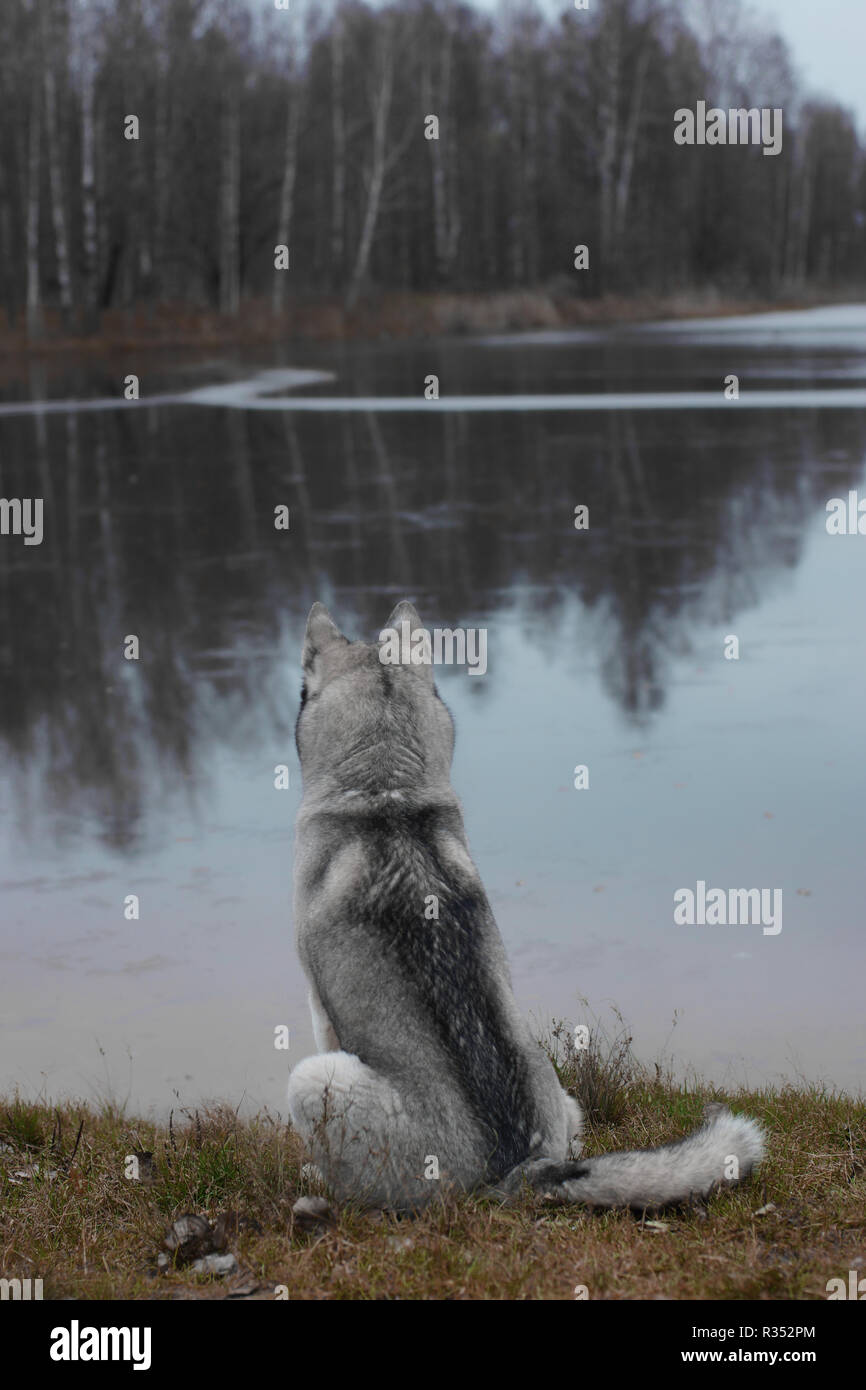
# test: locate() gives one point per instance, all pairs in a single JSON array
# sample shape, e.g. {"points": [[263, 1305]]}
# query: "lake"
{"points": [[606, 648]]}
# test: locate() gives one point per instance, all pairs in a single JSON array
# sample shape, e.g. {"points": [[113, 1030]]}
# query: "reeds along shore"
{"points": [[377, 317]]}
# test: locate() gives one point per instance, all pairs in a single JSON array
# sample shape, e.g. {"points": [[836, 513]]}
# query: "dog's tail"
{"points": [[723, 1152]]}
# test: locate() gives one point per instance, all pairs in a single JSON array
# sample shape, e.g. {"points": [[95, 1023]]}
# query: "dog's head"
{"points": [[368, 724]]}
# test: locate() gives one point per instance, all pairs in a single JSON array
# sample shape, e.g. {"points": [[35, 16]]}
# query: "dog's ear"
{"points": [[404, 612], [322, 632]]}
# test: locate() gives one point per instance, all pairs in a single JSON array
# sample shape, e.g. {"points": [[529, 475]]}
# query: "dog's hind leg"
{"points": [[573, 1126], [359, 1134], [323, 1029]]}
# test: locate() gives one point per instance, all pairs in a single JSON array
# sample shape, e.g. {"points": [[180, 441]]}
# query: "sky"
{"points": [[827, 39]]}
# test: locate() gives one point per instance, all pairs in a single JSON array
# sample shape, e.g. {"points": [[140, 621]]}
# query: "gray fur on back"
{"points": [[427, 1077]]}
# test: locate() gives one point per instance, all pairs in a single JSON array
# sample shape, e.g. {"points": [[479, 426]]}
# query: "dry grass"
{"points": [[88, 1231]]}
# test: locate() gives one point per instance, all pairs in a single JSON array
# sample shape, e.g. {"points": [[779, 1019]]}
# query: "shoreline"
{"points": [[386, 317], [788, 1233]]}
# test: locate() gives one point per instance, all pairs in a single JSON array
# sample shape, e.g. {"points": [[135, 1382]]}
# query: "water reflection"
{"points": [[159, 522]]}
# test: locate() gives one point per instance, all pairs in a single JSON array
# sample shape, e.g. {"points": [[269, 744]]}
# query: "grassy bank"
{"points": [[383, 316], [70, 1216]]}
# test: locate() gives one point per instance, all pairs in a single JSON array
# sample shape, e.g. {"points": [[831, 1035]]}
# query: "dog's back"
{"points": [[394, 929]]}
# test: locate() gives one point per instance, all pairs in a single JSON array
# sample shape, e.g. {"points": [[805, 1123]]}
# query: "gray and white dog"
{"points": [[427, 1077]]}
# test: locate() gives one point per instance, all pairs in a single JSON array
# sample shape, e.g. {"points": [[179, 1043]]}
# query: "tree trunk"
{"points": [[800, 208], [805, 220], [89, 242], [55, 174], [530, 180], [517, 171], [441, 237], [287, 191], [376, 180], [162, 177], [609, 122], [34, 300], [230, 207], [338, 132], [7, 248], [626, 165]]}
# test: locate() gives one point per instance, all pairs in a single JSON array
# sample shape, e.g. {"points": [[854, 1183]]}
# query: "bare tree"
{"points": [[800, 206], [162, 165], [34, 171], [55, 156], [627, 157], [338, 137], [441, 151], [382, 159], [611, 78], [229, 259], [9, 210], [294, 105], [86, 63], [552, 131]]}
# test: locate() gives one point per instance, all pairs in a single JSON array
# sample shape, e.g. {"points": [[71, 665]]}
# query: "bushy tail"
{"points": [[721, 1153]]}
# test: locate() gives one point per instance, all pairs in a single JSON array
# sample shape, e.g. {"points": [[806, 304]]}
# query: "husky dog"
{"points": [[427, 1077]]}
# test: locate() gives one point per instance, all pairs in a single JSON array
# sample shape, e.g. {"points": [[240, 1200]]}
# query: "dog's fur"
{"points": [[424, 1063]]}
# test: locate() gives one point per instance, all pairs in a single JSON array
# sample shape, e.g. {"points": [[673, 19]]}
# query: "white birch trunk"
{"points": [[287, 190], [338, 135], [376, 180], [34, 170], [55, 173], [89, 242]]}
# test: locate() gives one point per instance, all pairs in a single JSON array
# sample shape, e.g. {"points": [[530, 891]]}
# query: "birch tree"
{"points": [[229, 234], [554, 130], [50, 62], [34, 173], [381, 159], [86, 64], [294, 106], [338, 142], [438, 102]]}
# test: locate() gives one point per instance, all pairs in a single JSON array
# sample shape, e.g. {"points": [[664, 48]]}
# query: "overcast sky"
{"points": [[827, 39]]}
